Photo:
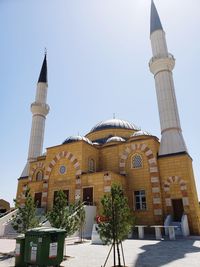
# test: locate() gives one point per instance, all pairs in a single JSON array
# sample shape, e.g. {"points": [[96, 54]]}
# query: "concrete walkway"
{"points": [[138, 253]]}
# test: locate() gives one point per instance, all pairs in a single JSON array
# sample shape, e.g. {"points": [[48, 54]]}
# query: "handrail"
{"points": [[184, 225], [6, 219], [167, 222]]}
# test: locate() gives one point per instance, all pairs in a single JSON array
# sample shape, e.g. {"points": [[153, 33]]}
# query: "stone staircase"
{"points": [[182, 227], [178, 230], [6, 229], [9, 232]]}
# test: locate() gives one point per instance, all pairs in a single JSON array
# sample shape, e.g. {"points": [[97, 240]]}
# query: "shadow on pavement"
{"points": [[4, 257], [164, 252]]}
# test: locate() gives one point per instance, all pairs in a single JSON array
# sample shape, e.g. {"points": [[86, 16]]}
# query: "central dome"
{"points": [[112, 124]]}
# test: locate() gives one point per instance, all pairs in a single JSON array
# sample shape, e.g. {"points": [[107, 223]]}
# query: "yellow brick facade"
{"points": [[161, 178]]}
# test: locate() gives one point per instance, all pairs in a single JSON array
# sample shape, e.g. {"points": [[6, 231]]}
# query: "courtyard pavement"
{"points": [[138, 253]]}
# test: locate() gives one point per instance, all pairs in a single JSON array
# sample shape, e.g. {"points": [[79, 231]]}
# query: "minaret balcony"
{"points": [[161, 63], [40, 109]]}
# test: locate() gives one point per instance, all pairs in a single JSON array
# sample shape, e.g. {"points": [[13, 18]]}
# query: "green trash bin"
{"points": [[19, 251], [44, 246]]}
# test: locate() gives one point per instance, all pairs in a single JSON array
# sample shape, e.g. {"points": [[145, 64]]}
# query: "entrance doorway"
{"points": [[178, 209], [88, 196], [38, 199]]}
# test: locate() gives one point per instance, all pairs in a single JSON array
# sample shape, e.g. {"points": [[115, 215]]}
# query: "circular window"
{"points": [[62, 169]]}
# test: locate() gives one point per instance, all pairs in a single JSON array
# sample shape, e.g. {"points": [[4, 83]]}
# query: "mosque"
{"points": [[157, 176]]}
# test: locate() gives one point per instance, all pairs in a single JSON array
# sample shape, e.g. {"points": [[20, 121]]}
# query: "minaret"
{"points": [[39, 109], [161, 65]]}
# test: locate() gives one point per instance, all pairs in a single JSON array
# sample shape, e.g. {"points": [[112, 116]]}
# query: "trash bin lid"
{"points": [[44, 230], [21, 236]]}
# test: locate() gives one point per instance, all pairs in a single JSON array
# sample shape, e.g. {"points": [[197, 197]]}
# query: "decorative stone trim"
{"points": [[183, 189], [63, 154], [154, 179], [166, 189], [185, 201], [25, 187], [151, 161], [122, 164], [168, 202], [45, 185], [77, 194], [107, 189], [38, 165], [155, 190], [44, 194], [107, 177], [124, 157], [78, 180], [77, 165], [148, 153], [78, 172], [156, 200], [143, 147], [107, 182], [153, 167]]}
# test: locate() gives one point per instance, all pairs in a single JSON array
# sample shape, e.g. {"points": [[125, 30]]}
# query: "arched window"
{"points": [[136, 161], [39, 176], [91, 166]]}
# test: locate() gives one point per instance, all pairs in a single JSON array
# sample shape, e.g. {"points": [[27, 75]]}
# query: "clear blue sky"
{"points": [[98, 54]]}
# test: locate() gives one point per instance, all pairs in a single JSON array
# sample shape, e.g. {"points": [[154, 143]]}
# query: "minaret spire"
{"points": [[43, 72], [39, 109], [155, 19], [161, 65]]}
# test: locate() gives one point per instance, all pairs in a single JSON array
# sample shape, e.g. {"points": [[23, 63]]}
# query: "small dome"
{"points": [[76, 138], [114, 123], [115, 139], [139, 133]]}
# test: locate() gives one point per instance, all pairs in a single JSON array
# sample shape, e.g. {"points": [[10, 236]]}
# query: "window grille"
{"points": [[91, 165], [136, 162], [39, 176]]}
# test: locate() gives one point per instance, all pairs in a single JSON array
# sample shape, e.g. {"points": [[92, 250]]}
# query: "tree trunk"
{"points": [[114, 257], [118, 254]]}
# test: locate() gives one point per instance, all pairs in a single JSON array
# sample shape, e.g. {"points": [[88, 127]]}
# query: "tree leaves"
{"points": [[26, 215], [70, 218], [119, 218]]}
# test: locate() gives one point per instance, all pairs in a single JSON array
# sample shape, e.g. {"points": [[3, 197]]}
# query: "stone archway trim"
{"points": [[153, 169], [183, 189], [38, 165], [63, 154]]}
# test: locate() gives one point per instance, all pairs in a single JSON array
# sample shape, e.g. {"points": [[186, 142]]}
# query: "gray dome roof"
{"points": [[139, 133], [115, 139], [76, 138], [114, 123]]}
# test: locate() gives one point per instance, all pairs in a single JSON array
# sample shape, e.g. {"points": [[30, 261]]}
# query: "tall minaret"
{"points": [[161, 65], [39, 109]]}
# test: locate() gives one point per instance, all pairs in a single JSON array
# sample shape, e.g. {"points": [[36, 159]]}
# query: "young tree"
{"points": [[81, 217], [63, 216], [118, 220], [26, 215]]}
